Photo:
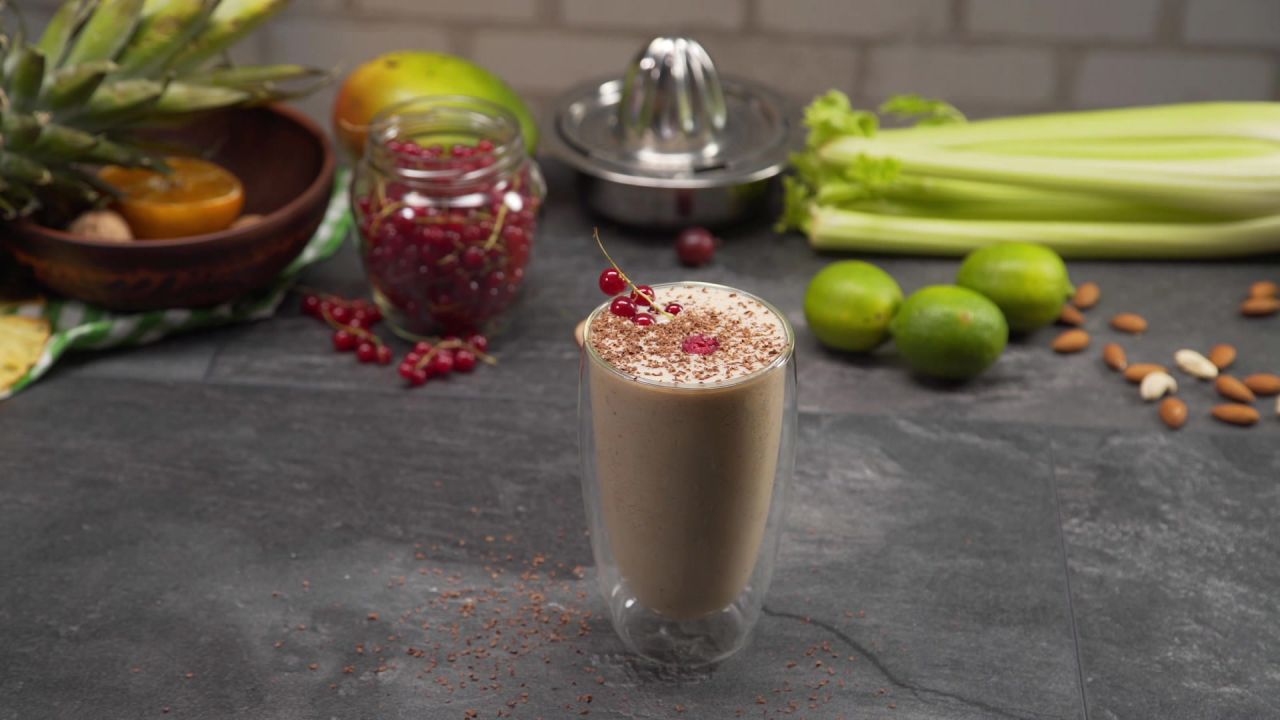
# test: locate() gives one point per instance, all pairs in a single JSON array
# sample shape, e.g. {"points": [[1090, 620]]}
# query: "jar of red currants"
{"points": [[446, 201]]}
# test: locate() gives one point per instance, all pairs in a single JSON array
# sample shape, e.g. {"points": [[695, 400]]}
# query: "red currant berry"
{"points": [[473, 258], [340, 314], [422, 348], [642, 319], [412, 358], [418, 377], [311, 305], [700, 345], [442, 364], [622, 307], [479, 342], [464, 361], [611, 282], [641, 295], [384, 355], [484, 146], [695, 246], [366, 352], [674, 308], [344, 341], [407, 370]]}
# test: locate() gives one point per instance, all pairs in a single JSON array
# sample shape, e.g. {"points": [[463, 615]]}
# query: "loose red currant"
{"points": [[340, 314], [464, 361], [384, 355], [366, 352], [695, 246], [479, 342], [622, 307], [611, 282], [641, 295], [700, 345], [642, 319], [311, 305], [442, 364], [344, 341], [674, 308]]}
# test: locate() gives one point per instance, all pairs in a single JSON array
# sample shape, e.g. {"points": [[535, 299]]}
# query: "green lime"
{"points": [[1027, 281], [849, 305], [949, 332]]}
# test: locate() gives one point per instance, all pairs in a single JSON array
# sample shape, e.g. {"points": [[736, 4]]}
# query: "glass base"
{"points": [[684, 643]]}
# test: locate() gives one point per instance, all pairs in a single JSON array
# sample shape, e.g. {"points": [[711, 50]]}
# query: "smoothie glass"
{"points": [[685, 491]]}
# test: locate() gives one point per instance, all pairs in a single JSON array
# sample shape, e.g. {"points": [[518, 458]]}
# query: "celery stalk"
{"points": [[850, 230]]}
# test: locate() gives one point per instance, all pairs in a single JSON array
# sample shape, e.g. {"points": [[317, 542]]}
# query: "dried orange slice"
{"points": [[196, 197]]}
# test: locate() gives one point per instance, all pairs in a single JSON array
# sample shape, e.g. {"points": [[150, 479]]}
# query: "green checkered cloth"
{"points": [[79, 326]]}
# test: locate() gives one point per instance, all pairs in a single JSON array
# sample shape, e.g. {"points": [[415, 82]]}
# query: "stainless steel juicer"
{"points": [[672, 143]]}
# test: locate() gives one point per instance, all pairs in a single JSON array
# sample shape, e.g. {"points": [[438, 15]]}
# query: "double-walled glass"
{"points": [[685, 490]]}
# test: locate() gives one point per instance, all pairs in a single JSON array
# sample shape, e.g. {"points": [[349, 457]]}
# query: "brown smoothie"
{"points": [[687, 443]]}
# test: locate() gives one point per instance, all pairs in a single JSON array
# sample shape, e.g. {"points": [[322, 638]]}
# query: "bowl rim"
{"points": [[323, 183]]}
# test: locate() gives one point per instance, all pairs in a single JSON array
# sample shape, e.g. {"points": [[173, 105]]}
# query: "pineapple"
{"points": [[74, 98]]}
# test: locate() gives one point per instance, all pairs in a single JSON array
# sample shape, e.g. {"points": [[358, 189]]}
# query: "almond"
{"points": [[1113, 355], [1156, 385], [1195, 364], [1264, 289], [1173, 412], [1070, 316], [1134, 373], [1263, 383], [1232, 389], [1130, 323], [1087, 295], [1071, 341], [1260, 306], [1222, 356], [1236, 414]]}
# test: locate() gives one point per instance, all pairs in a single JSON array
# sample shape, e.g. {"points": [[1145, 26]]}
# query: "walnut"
{"points": [[102, 225]]}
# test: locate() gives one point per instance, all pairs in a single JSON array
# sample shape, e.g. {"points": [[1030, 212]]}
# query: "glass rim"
{"points": [[781, 360]]}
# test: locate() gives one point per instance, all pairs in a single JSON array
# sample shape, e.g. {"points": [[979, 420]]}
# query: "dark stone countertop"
{"points": [[206, 527]]}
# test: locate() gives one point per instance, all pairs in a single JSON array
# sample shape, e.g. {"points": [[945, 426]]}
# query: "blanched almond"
{"points": [[1260, 306], [1195, 364], [1156, 385], [1087, 295], [1264, 289], [1071, 341], [1113, 355], [1130, 323], [1134, 373], [1263, 383], [1232, 389], [1222, 356], [1173, 412], [1070, 316], [1236, 414]]}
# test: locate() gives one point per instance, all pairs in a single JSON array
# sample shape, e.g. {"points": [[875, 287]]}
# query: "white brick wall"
{"points": [[1076, 20], [656, 15], [988, 56], [1017, 77], [1234, 22], [856, 18], [1131, 77]]}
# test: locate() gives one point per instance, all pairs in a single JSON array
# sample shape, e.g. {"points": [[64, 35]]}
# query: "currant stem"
{"points": [[595, 233]]}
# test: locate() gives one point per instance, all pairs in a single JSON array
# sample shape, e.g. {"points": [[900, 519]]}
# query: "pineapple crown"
{"points": [[104, 69]]}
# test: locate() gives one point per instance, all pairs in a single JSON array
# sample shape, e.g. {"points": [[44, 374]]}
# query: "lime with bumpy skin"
{"points": [[849, 305], [949, 332], [1028, 282]]}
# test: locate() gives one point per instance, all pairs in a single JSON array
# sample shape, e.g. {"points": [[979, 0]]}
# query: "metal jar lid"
{"points": [[672, 122]]}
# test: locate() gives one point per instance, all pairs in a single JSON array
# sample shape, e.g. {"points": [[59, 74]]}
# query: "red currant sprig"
{"points": [[351, 321], [451, 354], [614, 282]]}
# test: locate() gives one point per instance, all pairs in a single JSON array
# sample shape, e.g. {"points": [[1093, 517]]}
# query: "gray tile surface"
{"points": [[1031, 545]]}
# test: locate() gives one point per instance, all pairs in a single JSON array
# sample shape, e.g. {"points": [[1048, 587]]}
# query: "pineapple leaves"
{"points": [[24, 74], [71, 87], [167, 27], [105, 33], [231, 21], [61, 28]]}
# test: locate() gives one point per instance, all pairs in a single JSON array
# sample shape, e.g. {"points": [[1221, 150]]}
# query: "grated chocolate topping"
{"points": [[749, 335]]}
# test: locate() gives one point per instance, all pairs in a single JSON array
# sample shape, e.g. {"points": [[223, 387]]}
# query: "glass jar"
{"points": [[685, 492], [446, 202]]}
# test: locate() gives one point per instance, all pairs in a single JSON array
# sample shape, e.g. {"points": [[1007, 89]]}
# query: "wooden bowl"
{"points": [[286, 164]]}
